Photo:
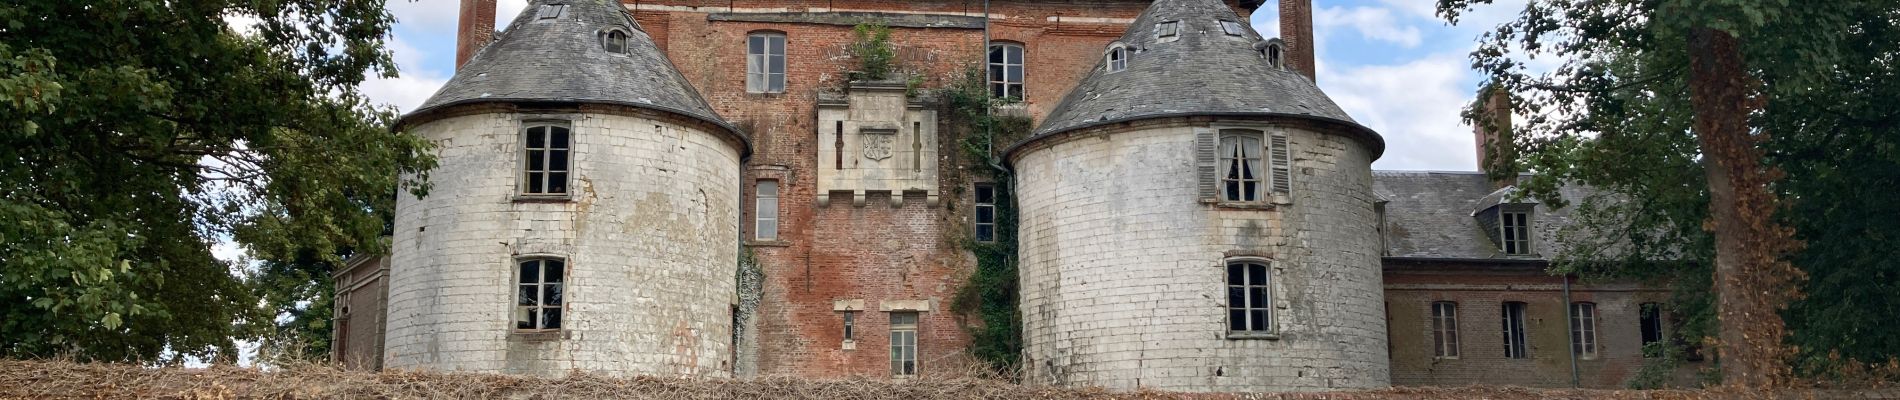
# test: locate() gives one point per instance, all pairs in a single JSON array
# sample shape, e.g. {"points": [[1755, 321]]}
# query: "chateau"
{"points": [[708, 188]]}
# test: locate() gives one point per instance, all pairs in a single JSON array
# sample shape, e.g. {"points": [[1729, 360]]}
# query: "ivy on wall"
{"points": [[990, 295]]}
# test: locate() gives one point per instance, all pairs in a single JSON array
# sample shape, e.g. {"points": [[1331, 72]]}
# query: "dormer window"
{"points": [[1168, 29], [551, 11], [1514, 232], [1117, 59], [1273, 53], [616, 42], [1232, 28]]}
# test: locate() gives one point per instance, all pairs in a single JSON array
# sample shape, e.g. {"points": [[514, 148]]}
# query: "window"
{"points": [[616, 42], [1445, 329], [538, 306], [545, 165], [850, 325], [985, 213], [1232, 28], [1514, 330], [1651, 315], [765, 63], [1240, 165], [1117, 59], [1515, 230], [551, 11], [766, 211], [1249, 297], [903, 343], [1583, 329], [1168, 29], [1006, 70], [1274, 53]]}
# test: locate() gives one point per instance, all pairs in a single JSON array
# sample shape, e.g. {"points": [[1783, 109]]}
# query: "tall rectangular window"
{"points": [[1516, 232], [850, 325], [1006, 70], [545, 162], [1249, 297], [766, 212], [1240, 165], [1583, 329], [765, 63], [1445, 329], [985, 212], [1651, 325], [538, 294], [1514, 346], [903, 343]]}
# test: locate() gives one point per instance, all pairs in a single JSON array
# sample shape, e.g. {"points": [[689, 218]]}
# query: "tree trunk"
{"points": [[1752, 281]]}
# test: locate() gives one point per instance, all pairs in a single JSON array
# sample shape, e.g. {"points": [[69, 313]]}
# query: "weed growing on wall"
{"points": [[990, 294], [877, 59]]}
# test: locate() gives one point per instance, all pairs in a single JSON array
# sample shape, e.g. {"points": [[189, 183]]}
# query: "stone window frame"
{"points": [[1271, 288], [1274, 52], [526, 122], [1115, 59], [976, 212], [607, 41], [1583, 330], [905, 352], [761, 67], [759, 217], [1444, 325], [1021, 84], [1516, 341], [516, 281]]}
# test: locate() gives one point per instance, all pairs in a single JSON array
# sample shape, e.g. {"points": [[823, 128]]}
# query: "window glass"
{"points": [[1232, 28], [1514, 346], [767, 210], [551, 11], [1583, 329], [850, 325], [1515, 232], [903, 343], [1117, 59], [545, 159], [765, 63], [616, 42], [539, 292], [985, 212], [1239, 163], [1445, 329], [1168, 29], [1006, 71], [1249, 297]]}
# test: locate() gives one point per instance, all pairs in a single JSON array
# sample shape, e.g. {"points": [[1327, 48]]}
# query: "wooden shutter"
{"points": [[1205, 161], [1282, 162]]}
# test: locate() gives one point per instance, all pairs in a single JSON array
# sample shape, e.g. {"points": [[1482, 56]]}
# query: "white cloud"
{"points": [[1372, 23], [412, 88], [1415, 106]]}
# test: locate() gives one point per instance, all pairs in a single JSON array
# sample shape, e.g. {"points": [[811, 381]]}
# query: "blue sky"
{"points": [[1391, 64]]}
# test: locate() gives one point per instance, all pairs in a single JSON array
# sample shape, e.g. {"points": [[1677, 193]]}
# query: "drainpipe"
{"points": [[989, 134], [1570, 321]]}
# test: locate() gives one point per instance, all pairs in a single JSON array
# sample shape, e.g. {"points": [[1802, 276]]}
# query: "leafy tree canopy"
{"points": [[1617, 115], [134, 134]]}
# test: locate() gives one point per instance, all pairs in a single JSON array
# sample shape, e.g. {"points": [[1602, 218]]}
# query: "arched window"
{"points": [[1274, 54], [615, 42], [1117, 59], [1006, 70], [765, 62]]}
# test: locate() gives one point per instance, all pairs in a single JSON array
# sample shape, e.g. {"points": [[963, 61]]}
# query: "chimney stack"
{"points": [[1296, 30], [1491, 124], [475, 28]]}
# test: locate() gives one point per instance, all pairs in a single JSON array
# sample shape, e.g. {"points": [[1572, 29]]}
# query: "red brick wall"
{"points": [[1480, 292]]}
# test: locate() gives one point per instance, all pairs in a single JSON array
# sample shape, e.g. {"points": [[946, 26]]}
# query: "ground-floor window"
{"points": [[903, 343]]}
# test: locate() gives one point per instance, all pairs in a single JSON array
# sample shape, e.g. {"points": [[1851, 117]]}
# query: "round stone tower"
{"points": [[1195, 216], [584, 212]]}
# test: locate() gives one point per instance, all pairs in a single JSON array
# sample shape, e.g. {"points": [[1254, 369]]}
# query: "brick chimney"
{"points": [[475, 28], [1296, 30], [1491, 125]]}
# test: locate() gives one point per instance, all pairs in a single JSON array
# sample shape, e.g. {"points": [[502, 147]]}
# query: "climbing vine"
{"points": [[990, 295]]}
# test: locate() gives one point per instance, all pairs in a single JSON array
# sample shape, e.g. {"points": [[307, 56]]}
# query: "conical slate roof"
{"points": [[562, 59], [1200, 71]]}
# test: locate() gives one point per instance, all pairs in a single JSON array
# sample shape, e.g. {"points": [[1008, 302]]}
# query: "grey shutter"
{"points": [[1282, 162], [1205, 143]]}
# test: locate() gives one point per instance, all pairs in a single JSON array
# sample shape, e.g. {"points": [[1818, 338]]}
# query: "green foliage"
{"points": [[991, 293], [138, 133], [1616, 115], [871, 46]]}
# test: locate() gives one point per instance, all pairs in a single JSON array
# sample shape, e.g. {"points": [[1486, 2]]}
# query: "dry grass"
{"points": [[58, 379]]}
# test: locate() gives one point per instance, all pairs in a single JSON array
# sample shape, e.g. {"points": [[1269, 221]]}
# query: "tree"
{"points": [[137, 133], [1652, 91]]}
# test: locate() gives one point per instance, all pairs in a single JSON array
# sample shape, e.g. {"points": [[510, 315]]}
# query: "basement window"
{"points": [[551, 11], [1232, 28]]}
